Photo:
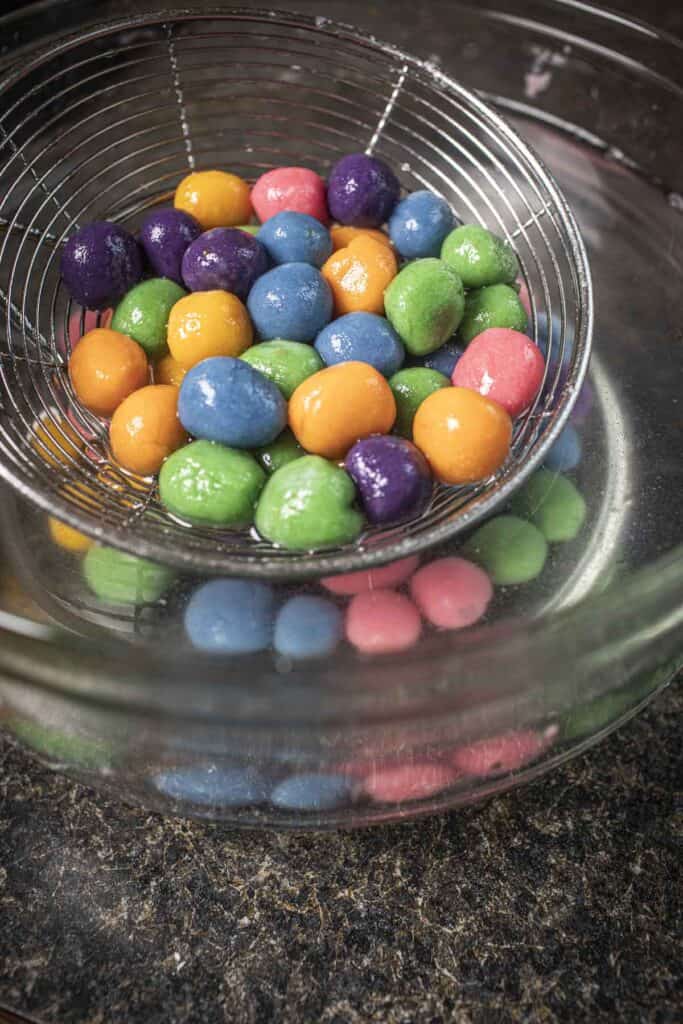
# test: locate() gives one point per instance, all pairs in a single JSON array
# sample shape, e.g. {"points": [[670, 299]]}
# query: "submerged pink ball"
{"points": [[399, 783], [384, 578], [290, 188], [524, 296], [451, 592], [504, 366], [382, 621], [499, 754]]}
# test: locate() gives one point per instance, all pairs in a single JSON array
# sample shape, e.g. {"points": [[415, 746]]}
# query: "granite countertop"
{"points": [[556, 902]]}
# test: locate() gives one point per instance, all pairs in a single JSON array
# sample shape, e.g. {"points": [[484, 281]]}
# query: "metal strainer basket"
{"points": [[103, 125]]}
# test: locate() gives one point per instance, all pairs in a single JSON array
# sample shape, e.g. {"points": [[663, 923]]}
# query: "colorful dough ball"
{"points": [[118, 578], [207, 324], [308, 504], [340, 405], [225, 259], [291, 301], [464, 436], [231, 617], [444, 359], [415, 780], [168, 370], [425, 304], [308, 626], [410, 387], [290, 188], [143, 313], [215, 199], [312, 792], [106, 367], [291, 237], [67, 537], [343, 234], [362, 191], [250, 229], [419, 225], [214, 785], [382, 622], [496, 305], [226, 400], [553, 504], [54, 439], [503, 365], [359, 275], [499, 754], [392, 478], [386, 577], [280, 452], [479, 257], [145, 429], [164, 237], [565, 454], [286, 363], [451, 593], [363, 338], [510, 549], [210, 484], [100, 263]]}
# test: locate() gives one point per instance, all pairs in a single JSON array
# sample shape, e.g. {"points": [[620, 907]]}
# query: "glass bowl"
{"points": [[585, 620]]}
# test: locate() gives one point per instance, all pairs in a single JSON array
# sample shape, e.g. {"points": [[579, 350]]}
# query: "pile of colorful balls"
{"points": [[307, 379]]}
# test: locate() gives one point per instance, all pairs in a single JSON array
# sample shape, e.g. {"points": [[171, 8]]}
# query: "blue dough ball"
{"points": [[226, 400], [419, 224], [292, 301], [291, 237], [312, 792], [214, 785], [363, 338], [443, 360], [231, 617], [307, 627], [565, 454]]}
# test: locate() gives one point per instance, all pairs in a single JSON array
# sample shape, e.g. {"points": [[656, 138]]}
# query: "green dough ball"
{"points": [[497, 305], [509, 549], [143, 313], [251, 229], [285, 363], [209, 483], [307, 505], [479, 257], [119, 578], [553, 504], [410, 388], [279, 452], [59, 746], [425, 303]]}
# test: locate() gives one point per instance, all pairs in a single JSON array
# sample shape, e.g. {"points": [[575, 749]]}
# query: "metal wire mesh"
{"points": [[104, 125]]}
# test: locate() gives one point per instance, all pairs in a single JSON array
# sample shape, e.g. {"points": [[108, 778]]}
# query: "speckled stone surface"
{"points": [[554, 903]]}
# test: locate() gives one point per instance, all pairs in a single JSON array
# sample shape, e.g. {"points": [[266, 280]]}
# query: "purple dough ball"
{"points": [[224, 258], [392, 477], [165, 235], [100, 263], [362, 191]]}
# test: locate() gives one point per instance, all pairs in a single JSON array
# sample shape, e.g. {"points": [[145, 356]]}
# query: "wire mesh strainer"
{"points": [[104, 125]]}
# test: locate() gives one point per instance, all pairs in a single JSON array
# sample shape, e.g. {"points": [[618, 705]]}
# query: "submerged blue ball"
{"points": [[291, 237], [311, 792], [226, 400], [565, 454], [292, 301], [363, 338], [419, 224], [214, 785], [307, 627], [231, 617]]}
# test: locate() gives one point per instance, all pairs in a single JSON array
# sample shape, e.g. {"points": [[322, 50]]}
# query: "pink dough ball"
{"points": [[500, 754], [290, 188], [384, 578], [381, 621], [504, 366], [451, 592], [400, 783]]}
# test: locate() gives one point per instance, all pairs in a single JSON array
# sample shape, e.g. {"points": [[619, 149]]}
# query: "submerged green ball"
{"points": [[61, 747], [143, 313], [119, 578], [552, 503], [205, 482], [286, 363], [410, 387], [279, 452], [307, 505], [511, 550], [497, 305], [424, 303], [479, 257]]}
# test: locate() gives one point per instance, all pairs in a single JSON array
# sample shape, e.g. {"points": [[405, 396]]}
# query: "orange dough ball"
{"points": [[342, 234], [359, 274], [338, 406], [464, 436], [67, 538], [168, 370], [145, 429], [105, 367], [215, 198], [55, 440], [206, 324]]}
